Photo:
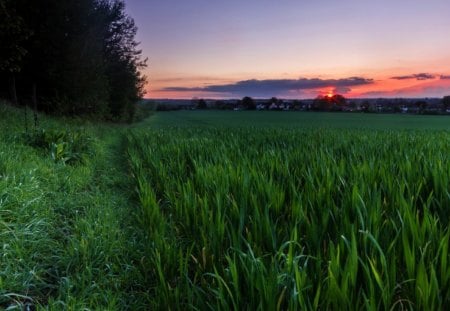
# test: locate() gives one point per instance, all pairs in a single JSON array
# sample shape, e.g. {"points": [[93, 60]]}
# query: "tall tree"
{"points": [[248, 103], [122, 58], [66, 56], [78, 56], [13, 34]]}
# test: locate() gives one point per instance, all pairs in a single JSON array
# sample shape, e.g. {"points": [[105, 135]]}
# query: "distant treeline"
{"points": [[71, 57], [333, 103]]}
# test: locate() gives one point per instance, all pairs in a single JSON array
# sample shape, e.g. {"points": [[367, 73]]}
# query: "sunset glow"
{"points": [[295, 48]]}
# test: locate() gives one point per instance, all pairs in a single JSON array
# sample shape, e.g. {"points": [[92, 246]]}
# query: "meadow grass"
{"points": [[248, 216]]}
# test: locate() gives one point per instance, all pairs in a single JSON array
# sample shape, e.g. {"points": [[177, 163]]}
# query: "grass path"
{"points": [[107, 247]]}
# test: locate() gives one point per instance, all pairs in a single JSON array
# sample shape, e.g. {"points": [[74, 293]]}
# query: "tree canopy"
{"points": [[329, 103], [248, 103], [446, 102], [80, 55]]}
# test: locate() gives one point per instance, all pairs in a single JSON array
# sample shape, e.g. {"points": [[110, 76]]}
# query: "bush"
{"points": [[68, 147]]}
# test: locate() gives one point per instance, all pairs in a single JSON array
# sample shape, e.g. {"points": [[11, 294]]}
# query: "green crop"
{"points": [[205, 210], [275, 219]]}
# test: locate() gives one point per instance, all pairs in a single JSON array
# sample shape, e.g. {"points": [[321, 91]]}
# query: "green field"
{"points": [[284, 119], [209, 210], [258, 210]]}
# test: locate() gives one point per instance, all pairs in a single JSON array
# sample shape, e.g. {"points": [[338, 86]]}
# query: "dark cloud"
{"points": [[414, 91], [444, 77], [182, 89], [275, 87], [342, 90], [417, 76]]}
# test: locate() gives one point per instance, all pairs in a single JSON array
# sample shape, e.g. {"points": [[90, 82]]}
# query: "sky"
{"points": [[294, 48]]}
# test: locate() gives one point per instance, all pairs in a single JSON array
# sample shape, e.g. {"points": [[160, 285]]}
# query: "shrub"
{"points": [[68, 147]]}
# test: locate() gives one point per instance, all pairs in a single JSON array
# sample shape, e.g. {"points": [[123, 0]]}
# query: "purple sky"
{"points": [[294, 48]]}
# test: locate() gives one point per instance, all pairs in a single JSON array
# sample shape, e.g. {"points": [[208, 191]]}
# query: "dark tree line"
{"points": [[71, 57]]}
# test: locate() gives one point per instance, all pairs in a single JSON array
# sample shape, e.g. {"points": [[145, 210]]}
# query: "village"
{"points": [[335, 103]]}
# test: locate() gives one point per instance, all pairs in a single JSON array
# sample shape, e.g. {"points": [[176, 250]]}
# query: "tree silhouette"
{"points": [[13, 34], [446, 102], [201, 104], [248, 103], [79, 57], [329, 103]]}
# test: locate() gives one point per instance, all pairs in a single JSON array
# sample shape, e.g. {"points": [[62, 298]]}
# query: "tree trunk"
{"points": [[34, 100], [25, 118], [12, 89]]}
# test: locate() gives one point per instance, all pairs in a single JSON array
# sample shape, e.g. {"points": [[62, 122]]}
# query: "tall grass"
{"points": [[67, 233], [267, 219]]}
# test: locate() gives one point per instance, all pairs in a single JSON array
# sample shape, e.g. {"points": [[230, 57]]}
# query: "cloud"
{"points": [[444, 77], [275, 87], [342, 90], [417, 76], [433, 88], [190, 79]]}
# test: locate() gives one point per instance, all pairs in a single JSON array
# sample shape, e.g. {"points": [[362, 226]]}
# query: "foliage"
{"points": [[248, 103], [64, 146], [201, 104], [81, 55], [12, 35], [446, 102], [329, 103], [144, 109]]}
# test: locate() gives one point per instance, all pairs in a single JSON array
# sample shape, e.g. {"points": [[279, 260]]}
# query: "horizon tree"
{"points": [[446, 102], [328, 103], [248, 103]]}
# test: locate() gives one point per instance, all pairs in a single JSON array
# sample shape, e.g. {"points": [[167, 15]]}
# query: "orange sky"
{"points": [[386, 87], [198, 46]]}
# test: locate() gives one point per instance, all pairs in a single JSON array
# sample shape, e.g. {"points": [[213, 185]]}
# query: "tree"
{"points": [[201, 104], [321, 103], [122, 58], [82, 52], [365, 106], [13, 33], [421, 106], [248, 103], [446, 102], [296, 104], [329, 103], [338, 99]]}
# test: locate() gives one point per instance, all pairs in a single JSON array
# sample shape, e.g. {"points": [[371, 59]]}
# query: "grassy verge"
{"points": [[67, 231]]}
